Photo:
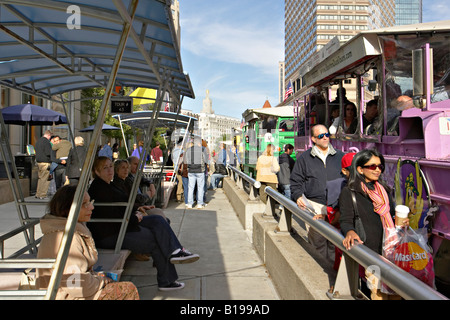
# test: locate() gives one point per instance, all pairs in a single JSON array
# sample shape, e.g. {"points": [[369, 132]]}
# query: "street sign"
{"points": [[121, 105]]}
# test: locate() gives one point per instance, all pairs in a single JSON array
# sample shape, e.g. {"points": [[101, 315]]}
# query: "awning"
{"points": [[141, 120], [286, 111], [52, 47]]}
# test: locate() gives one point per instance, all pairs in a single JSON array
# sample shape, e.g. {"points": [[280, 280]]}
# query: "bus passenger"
{"points": [[145, 234], [350, 120], [79, 281], [266, 171], [395, 111], [312, 170], [370, 115]]}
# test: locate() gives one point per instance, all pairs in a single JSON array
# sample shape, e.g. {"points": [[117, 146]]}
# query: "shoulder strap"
{"points": [[355, 207]]}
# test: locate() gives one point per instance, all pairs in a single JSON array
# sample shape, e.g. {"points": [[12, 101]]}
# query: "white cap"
{"points": [[401, 211]]}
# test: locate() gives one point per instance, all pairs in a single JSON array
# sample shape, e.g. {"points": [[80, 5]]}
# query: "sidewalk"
{"points": [[229, 267]]}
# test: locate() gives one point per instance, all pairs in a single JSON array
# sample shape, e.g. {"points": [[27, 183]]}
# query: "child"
{"points": [[334, 188]]}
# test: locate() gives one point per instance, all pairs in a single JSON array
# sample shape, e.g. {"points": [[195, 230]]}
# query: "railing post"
{"points": [[285, 223], [346, 285], [270, 206]]}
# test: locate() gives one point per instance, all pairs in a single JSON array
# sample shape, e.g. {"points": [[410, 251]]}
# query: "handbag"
{"points": [[27, 281], [359, 228]]}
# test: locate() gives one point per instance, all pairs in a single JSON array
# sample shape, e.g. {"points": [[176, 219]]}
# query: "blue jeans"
{"points": [[199, 179], [155, 237], [215, 179], [185, 188], [286, 190]]}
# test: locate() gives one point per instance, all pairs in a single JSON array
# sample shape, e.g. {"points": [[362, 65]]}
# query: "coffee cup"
{"points": [[401, 214]]}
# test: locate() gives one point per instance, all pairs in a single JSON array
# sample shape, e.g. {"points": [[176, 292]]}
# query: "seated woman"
{"points": [[145, 234], [121, 171], [79, 281]]}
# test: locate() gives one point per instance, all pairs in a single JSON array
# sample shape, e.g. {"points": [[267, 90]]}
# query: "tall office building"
{"points": [[175, 7], [408, 12], [310, 25]]}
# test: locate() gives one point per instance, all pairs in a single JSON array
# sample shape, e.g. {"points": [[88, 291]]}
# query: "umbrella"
{"points": [[30, 114], [105, 127]]}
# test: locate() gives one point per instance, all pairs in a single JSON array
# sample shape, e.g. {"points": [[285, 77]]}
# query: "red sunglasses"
{"points": [[374, 167]]}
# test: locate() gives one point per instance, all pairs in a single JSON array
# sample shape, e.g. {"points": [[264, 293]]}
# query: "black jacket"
{"points": [[286, 165], [43, 150], [310, 174], [73, 166], [370, 219], [102, 192]]}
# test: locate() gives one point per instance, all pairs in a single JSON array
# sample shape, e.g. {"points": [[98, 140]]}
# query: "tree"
{"points": [[91, 107]]}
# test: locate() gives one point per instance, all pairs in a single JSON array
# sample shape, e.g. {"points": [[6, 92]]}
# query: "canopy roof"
{"points": [[44, 53], [141, 120], [286, 111]]}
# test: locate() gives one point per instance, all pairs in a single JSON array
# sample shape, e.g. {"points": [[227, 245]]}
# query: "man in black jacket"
{"points": [[286, 165], [43, 149], [312, 170]]}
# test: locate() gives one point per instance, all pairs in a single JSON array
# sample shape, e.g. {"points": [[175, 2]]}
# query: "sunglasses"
{"points": [[320, 136], [374, 167]]}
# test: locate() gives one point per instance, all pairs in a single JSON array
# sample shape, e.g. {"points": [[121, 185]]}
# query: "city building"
{"points": [[215, 128], [311, 25], [408, 12]]}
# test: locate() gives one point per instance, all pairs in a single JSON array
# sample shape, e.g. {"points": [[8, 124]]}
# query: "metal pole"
{"points": [[81, 189]]}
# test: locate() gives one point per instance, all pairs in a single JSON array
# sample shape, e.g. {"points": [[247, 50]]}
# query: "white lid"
{"points": [[401, 211]]}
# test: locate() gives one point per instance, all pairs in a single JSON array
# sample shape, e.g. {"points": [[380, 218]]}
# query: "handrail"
{"points": [[240, 177], [403, 283], [30, 224]]}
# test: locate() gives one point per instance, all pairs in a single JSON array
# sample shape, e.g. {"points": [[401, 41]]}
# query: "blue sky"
{"points": [[232, 48]]}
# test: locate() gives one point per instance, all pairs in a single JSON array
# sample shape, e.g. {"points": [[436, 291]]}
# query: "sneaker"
{"points": [[184, 256], [189, 206], [173, 286], [200, 206]]}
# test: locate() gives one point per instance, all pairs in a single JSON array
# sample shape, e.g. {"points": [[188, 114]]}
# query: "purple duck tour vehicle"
{"points": [[399, 80]]}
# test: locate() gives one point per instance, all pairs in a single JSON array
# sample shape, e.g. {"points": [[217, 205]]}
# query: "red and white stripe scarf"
{"points": [[381, 206]]}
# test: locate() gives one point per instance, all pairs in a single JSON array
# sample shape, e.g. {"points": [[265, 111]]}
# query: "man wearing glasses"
{"points": [[312, 170]]}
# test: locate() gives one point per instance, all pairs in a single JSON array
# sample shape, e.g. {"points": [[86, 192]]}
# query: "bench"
{"points": [[107, 261]]}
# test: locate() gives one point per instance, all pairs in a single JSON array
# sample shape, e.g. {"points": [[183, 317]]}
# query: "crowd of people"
{"points": [[148, 234], [324, 181], [199, 170]]}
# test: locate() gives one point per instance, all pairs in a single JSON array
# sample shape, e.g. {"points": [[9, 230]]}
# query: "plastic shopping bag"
{"points": [[408, 250]]}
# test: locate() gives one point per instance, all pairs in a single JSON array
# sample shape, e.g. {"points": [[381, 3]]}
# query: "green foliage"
{"points": [[91, 107]]}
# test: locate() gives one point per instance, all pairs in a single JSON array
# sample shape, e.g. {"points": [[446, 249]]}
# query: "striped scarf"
{"points": [[380, 201]]}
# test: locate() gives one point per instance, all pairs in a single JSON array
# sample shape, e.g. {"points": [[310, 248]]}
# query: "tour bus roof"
{"points": [[286, 111], [363, 47], [52, 47], [413, 28]]}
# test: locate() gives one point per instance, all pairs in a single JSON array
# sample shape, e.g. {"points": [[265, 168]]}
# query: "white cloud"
{"points": [[435, 11], [250, 44]]}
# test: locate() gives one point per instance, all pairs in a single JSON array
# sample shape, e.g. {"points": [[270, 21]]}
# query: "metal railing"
{"points": [[403, 283], [346, 286], [241, 178]]}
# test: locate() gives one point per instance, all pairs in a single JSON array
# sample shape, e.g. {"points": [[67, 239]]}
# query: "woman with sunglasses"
{"points": [[374, 203]]}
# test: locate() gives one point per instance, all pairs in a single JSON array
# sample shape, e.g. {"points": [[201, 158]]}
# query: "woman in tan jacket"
{"points": [[266, 171], [79, 281]]}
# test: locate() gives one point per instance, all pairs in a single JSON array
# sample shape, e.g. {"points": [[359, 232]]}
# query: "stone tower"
{"points": [[207, 104]]}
